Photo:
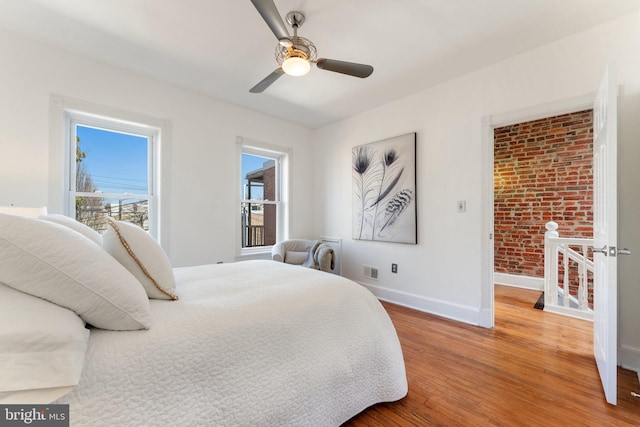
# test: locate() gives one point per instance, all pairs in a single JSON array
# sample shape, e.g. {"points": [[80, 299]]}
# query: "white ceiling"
{"points": [[223, 47]]}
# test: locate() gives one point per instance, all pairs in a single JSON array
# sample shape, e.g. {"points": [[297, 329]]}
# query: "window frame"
{"points": [[78, 118], [282, 158]]}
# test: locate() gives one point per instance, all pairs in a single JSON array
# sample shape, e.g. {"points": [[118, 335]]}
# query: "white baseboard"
{"points": [[526, 282], [629, 358], [460, 313]]}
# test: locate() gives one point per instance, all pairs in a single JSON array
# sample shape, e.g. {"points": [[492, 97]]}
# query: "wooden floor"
{"points": [[532, 369]]}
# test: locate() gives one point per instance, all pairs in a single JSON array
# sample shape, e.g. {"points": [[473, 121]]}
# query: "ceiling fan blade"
{"points": [[267, 81], [349, 68], [271, 16]]}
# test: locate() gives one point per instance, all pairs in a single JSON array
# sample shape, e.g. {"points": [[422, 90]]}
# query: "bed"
{"points": [[252, 343]]}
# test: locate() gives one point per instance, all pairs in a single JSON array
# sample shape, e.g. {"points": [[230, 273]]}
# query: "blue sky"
{"points": [[117, 162]]}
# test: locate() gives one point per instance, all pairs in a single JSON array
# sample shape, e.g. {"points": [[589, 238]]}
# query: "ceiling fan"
{"points": [[295, 54]]}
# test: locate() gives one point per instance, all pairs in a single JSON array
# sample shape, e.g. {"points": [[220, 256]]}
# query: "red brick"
{"points": [[543, 172]]}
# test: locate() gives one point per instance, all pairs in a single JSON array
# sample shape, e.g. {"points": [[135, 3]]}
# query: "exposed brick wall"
{"points": [[542, 172]]}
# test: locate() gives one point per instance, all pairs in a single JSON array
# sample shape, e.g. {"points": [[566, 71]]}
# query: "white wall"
{"points": [[201, 156], [442, 273]]}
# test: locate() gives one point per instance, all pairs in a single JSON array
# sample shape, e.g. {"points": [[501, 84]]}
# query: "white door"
{"points": [[605, 231]]}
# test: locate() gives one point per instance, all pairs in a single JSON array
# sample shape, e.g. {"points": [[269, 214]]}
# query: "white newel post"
{"points": [[550, 264]]}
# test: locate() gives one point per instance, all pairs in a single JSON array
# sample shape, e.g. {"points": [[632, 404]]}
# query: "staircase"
{"points": [[568, 274]]}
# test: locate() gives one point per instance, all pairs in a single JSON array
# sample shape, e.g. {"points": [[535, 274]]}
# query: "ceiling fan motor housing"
{"points": [[300, 48]]}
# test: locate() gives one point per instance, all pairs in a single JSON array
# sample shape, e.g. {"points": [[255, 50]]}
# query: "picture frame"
{"points": [[384, 190]]}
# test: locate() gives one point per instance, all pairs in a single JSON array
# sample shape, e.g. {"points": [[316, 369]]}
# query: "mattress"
{"points": [[253, 343]]}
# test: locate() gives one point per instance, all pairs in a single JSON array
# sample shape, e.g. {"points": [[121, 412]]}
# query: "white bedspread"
{"points": [[254, 343]]}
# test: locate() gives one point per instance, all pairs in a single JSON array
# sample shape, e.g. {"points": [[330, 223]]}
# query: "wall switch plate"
{"points": [[394, 268], [462, 205]]}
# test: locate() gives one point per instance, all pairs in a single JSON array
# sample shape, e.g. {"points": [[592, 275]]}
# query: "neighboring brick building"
{"points": [[542, 172]]}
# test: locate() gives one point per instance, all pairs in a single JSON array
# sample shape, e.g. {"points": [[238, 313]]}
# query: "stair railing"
{"points": [[558, 299]]}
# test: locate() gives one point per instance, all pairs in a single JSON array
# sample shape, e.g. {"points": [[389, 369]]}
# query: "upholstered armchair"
{"points": [[308, 253]]}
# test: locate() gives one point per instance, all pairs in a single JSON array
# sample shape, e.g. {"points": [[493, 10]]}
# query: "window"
{"points": [[261, 202], [111, 172]]}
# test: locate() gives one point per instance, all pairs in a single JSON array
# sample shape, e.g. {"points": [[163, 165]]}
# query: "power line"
{"points": [[117, 178]]}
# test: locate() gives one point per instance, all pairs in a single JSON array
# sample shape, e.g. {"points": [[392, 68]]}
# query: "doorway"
{"points": [[543, 171], [489, 125], [605, 219]]}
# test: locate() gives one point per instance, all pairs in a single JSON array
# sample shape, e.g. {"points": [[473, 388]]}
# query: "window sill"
{"points": [[263, 252]]}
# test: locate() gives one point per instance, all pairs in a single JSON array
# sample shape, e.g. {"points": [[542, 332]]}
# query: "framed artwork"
{"points": [[384, 190]]}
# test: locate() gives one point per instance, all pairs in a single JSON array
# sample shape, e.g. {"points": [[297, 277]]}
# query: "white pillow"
{"points": [[42, 345], [55, 263], [142, 256], [85, 230]]}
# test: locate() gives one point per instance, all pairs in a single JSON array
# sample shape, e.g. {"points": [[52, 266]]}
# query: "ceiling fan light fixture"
{"points": [[296, 66]]}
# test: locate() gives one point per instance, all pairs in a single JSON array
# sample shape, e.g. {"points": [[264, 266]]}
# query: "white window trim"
{"points": [[282, 155], [74, 119], [63, 110]]}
